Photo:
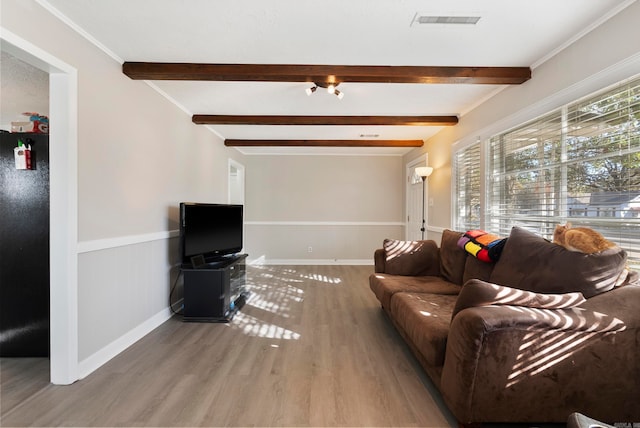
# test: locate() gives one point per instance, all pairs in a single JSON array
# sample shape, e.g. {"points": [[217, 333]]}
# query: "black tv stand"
{"points": [[214, 292]]}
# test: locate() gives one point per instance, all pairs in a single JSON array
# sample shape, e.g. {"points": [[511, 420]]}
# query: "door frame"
{"points": [[63, 203]]}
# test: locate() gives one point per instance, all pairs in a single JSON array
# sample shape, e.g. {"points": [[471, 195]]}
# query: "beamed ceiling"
{"points": [[241, 68], [325, 74]]}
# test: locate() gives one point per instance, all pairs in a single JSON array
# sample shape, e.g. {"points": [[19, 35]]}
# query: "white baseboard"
{"points": [[310, 262], [98, 359]]}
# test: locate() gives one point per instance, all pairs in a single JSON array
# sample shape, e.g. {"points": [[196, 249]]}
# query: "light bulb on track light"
{"points": [[330, 87]]}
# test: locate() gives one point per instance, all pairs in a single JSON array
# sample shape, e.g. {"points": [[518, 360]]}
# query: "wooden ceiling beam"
{"points": [[323, 143], [213, 119], [326, 73]]}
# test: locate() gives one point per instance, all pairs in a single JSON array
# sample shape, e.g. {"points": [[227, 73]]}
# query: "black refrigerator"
{"points": [[24, 248]]}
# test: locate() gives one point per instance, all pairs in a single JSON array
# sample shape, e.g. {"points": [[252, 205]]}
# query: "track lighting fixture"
{"points": [[330, 87]]}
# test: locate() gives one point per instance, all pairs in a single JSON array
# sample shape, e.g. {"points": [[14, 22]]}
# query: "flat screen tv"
{"points": [[210, 230]]}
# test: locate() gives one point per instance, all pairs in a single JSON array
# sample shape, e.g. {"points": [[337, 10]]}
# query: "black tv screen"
{"points": [[211, 230]]}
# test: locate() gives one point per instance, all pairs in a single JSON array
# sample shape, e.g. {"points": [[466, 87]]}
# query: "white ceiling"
{"points": [[511, 33]]}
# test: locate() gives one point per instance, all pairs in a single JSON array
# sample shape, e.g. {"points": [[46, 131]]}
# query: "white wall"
{"points": [[603, 57], [340, 206], [135, 163]]}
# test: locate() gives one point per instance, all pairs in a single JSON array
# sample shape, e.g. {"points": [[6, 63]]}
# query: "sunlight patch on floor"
{"points": [[322, 278], [252, 326], [280, 299]]}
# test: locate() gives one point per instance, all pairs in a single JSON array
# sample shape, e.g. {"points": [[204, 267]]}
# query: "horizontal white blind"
{"points": [[579, 164], [467, 188], [524, 183]]}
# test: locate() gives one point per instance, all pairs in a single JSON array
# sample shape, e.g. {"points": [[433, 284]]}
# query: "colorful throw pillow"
{"points": [[485, 246]]}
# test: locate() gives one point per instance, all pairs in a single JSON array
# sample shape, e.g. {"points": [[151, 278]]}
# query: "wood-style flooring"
{"points": [[311, 347]]}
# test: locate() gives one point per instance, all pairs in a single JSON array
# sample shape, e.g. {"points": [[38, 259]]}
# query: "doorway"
{"points": [[236, 187], [415, 201], [63, 220], [236, 182]]}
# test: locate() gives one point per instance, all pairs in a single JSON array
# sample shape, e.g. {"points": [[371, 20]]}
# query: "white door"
{"points": [[236, 182], [236, 188], [415, 200]]}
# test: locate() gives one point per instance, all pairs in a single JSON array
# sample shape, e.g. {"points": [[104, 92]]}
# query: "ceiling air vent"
{"points": [[454, 20]]}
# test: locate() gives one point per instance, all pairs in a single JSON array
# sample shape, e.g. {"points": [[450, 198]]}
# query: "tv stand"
{"points": [[214, 292]]}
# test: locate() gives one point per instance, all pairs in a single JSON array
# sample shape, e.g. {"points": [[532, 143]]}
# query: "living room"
{"points": [[129, 156]]}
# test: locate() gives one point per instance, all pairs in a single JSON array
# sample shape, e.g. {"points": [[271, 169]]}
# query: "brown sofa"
{"points": [[539, 334]]}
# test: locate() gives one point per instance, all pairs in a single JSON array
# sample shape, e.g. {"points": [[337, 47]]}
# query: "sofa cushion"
{"points": [[452, 257], [411, 257], [480, 293], [476, 269], [425, 320], [384, 286], [530, 262]]}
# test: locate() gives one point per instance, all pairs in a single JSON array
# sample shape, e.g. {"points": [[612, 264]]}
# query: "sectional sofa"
{"points": [[539, 334]]}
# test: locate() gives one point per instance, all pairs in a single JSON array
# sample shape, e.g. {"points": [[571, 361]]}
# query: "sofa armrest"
{"points": [[476, 292], [513, 364], [379, 258]]}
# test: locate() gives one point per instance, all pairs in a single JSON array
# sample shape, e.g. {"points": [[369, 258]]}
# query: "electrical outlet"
{"points": [[309, 249], [430, 202]]}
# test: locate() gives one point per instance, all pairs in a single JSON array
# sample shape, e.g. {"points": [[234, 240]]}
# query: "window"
{"points": [[580, 163], [524, 187], [467, 188]]}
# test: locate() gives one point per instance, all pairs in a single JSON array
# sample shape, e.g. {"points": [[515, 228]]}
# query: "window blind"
{"points": [[524, 186], [580, 163], [467, 201]]}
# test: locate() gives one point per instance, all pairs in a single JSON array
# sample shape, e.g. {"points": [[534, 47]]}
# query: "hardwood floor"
{"points": [[20, 378], [310, 348]]}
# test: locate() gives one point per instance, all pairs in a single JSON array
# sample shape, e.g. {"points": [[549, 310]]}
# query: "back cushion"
{"points": [[530, 262], [452, 257], [476, 269], [415, 258]]}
